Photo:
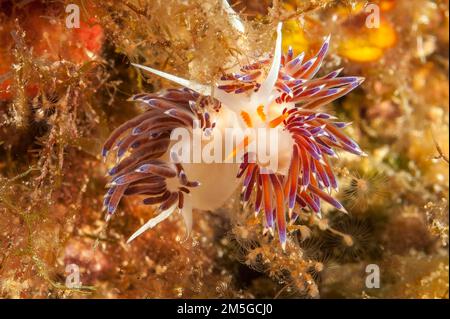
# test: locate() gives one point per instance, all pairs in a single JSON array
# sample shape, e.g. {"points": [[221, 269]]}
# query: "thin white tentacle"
{"points": [[226, 98], [197, 87], [152, 223]]}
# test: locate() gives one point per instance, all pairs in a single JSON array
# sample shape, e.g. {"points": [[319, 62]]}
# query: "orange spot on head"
{"points": [[247, 119], [261, 114]]}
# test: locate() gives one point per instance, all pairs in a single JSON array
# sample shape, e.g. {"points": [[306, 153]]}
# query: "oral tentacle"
{"points": [[197, 87], [152, 223]]}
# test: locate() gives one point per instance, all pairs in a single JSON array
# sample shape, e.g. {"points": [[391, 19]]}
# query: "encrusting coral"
{"points": [[63, 91]]}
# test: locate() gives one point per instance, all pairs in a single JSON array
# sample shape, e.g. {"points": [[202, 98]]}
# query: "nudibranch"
{"points": [[279, 92]]}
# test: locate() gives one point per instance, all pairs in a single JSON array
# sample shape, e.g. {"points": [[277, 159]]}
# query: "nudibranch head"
{"points": [[279, 93]]}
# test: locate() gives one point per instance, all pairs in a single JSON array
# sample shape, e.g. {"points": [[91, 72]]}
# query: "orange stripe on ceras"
{"points": [[281, 218], [278, 120], [294, 171], [267, 197]]}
